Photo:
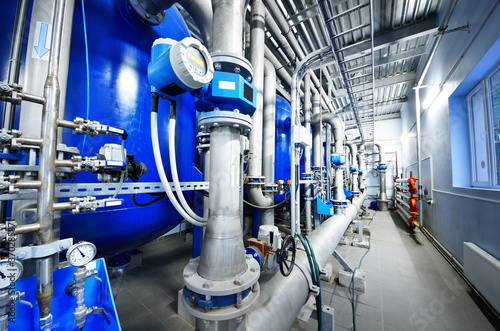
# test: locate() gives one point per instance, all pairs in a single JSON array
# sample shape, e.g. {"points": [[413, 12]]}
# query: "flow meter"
{"points": [[179, 66], [81, 253]]}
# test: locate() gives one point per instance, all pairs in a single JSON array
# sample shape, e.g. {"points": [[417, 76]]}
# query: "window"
{"points": [[483, 104]]}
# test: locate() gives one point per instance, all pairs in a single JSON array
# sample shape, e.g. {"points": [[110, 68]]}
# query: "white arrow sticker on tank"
{"points": [[236, 171], [41, 41]]}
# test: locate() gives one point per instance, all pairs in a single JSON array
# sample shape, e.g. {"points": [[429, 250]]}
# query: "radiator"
{"points": [[483, 271]]}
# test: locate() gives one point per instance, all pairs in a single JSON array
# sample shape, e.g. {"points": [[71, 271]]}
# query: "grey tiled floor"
{"points": [[409, 286]]}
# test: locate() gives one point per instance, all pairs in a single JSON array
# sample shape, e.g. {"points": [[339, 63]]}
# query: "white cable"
{"points": [[175, 175], [161, 172]]}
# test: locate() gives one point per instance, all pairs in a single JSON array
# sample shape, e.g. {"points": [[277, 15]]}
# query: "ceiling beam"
{"points": [[393, 37], [387, 81], [377, 118]]}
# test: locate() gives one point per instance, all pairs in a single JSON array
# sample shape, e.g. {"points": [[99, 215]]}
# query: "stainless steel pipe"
{"points": [[281, 297], [307, 149], [228, 26], [47, 169]]}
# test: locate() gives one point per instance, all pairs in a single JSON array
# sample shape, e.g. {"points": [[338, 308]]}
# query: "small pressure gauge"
{"points": [[10, 271], [81, 253]]}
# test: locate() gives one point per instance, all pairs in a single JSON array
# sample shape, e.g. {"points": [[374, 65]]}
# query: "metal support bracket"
{"points": [[41, 251], [342, 262]]}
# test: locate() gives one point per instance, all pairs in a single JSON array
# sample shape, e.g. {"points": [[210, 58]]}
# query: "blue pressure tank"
{"points": [[119, 50], [282, 147]]}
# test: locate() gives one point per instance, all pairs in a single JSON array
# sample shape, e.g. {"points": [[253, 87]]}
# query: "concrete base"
{"points": [[383, 205], [363, 244], [344, 241], [366, 230], [345, 279]]}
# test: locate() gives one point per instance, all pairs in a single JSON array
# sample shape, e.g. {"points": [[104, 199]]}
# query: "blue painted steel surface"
{"points": [[119, 53], [323, 207], [229, 91], [338, 159], [97, 294], [282, 147]]}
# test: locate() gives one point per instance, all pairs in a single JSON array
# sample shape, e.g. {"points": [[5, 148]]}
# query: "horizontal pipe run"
{"points": [[29, 141], [281, 297], [31, 98], [402, 187], [401, 201], [406, 213], [26, 228], [62, 206], [32, 184], [403, 180], [64, 163], [66, 124], [403, 195]]}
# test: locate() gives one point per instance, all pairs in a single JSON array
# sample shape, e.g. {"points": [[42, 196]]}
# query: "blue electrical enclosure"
{"points": [[229, 91], [97, 294]]}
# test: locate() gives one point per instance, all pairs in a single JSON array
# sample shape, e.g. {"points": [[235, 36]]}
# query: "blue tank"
{"points": [[282, 147], [119, 51]]}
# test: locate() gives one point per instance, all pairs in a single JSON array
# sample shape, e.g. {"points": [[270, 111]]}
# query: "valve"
{"points": [[93, 128], [286, 256]]}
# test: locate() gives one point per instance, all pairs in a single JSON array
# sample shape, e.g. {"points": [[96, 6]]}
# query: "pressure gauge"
{"points": [[81, 253], [10, 271]]}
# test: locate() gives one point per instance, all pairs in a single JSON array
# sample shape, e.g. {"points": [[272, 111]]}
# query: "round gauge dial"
{"points": [[10, 271], [81, 253]]}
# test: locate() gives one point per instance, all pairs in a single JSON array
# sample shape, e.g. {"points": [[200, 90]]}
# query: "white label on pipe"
{"points": [[113, 203], [227, 85], [41, 41], [115, 130], [114, 164], [236, 172]]}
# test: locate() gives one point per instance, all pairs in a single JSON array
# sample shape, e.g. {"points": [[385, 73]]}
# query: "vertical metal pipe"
{"points": [[47, 169], [269, 130], [419, 158], [316, 132], [328, 164], [307, 149], [228, 26], [16, 50], [223, 254]]}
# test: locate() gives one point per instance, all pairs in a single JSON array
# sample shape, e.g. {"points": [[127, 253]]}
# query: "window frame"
{"points": [[485, 86]]}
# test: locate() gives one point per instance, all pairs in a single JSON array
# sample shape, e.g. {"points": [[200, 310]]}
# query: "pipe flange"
{"points": [[218, 118], [144, 14], [226, 312], [198, 284], [230, 62]]}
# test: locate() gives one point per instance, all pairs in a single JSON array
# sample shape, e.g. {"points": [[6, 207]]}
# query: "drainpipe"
{"points": [[255, 163], [437, 40], [307, 150], [200, 11], [281, 297]]}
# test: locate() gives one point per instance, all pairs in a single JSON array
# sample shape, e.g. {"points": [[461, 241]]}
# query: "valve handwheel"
{"points": [[286, 256]]}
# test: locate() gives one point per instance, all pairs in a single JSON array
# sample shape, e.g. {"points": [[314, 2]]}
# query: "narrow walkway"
{"points": [[409, 286]]}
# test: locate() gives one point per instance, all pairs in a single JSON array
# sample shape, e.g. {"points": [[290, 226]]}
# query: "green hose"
{"points": [[314, 275]]}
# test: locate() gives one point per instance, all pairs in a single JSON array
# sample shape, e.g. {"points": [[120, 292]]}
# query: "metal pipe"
{"points": [[401, 201], [307, 149], [317, 132], [31, 184], [310, 62], [281, 298], [257, 59], [362, 166], [16, 50], [223, 254], [443, 26], [227, 26], [354, 176], [269, 130], [26, 228], [278, 28], [47, 169], [200, 11]]}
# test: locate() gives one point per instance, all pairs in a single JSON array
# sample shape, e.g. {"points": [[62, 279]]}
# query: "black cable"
{"points": [[268, 207], [144, 204]]}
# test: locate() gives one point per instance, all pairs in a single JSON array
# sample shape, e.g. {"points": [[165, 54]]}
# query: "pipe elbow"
{"points": [[202, 13], [258, 198]]}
